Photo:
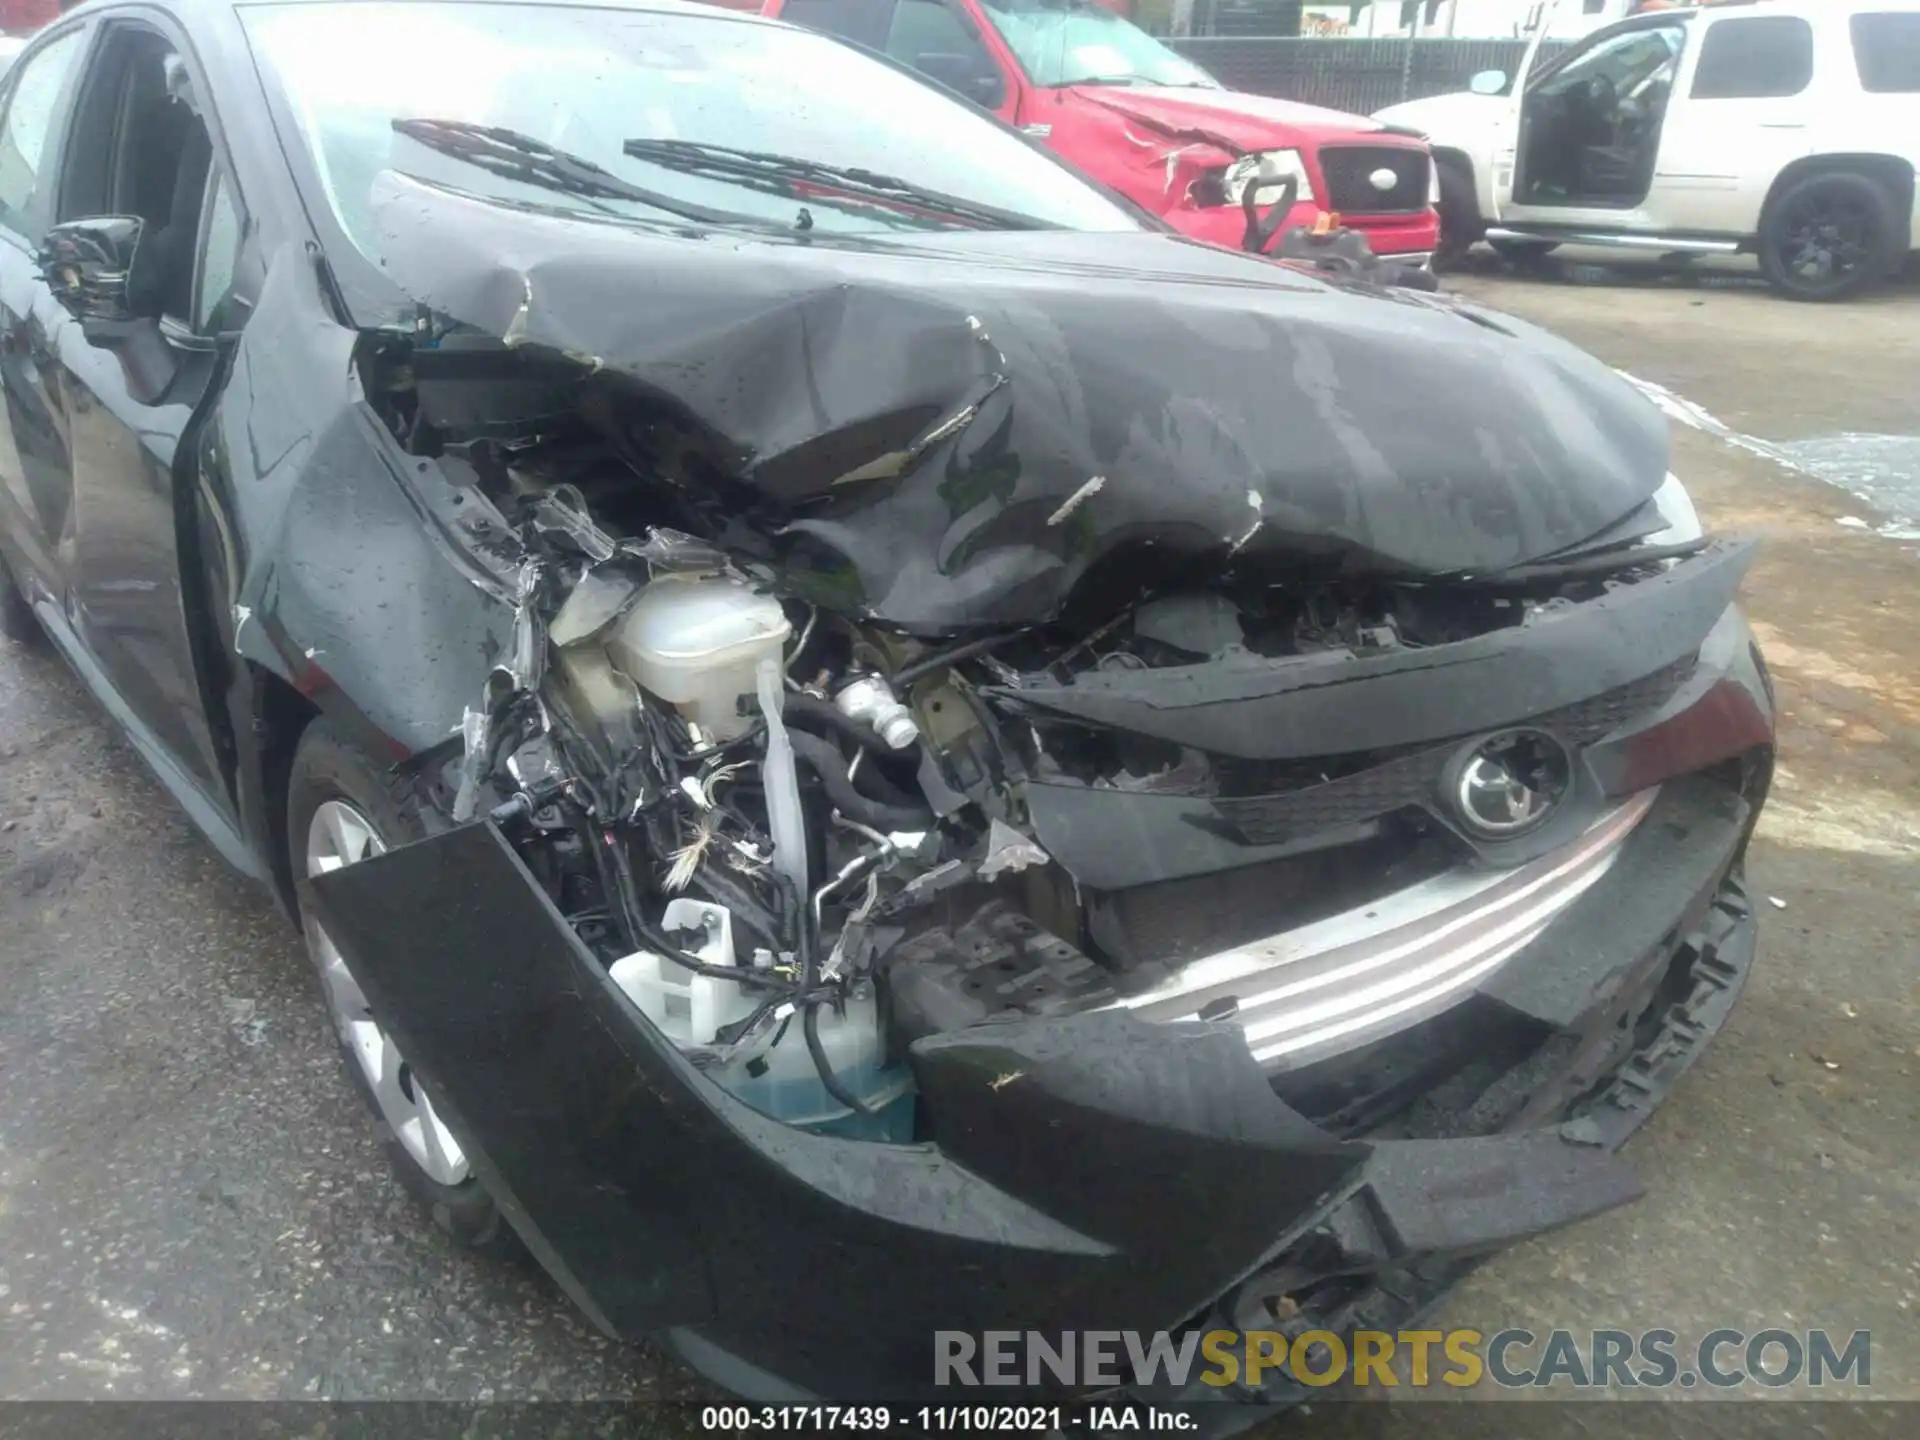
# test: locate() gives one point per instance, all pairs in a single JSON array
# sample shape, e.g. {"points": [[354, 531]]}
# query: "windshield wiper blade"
{"points": [[777, 174], [515, 156]]}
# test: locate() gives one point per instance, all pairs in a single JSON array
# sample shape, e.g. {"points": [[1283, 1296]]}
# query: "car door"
{"points": [[1872, 64], [1502, 128], [140, 146], [1633, 64], [36, 474], [1743, 110]]}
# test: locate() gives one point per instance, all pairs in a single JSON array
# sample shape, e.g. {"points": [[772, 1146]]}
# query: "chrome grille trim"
{"points": [[1352, 978]]}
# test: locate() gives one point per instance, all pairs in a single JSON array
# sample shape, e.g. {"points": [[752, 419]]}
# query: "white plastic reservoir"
{"points": [[780, 1079], [784, 1082], [697, 641], [688, 1008]]}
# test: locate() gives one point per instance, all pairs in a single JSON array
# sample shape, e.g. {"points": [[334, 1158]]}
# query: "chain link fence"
{"points": [[1358, 76]]}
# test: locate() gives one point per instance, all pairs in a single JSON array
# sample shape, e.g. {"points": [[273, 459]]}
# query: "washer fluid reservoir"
{"points": [[697, 641]]}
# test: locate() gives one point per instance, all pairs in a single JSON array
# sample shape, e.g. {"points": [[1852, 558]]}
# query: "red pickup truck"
{"points": [[1116, 103]]}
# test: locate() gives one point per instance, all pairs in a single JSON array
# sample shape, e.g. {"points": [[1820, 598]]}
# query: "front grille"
{"points": [[1337, 983], [1172, 922], [1349, 171], [1409, 778]]}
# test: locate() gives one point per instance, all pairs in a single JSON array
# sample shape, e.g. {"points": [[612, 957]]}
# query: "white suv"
{"points": [[1789, 129]]}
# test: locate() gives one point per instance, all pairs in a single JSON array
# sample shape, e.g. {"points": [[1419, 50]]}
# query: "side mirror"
{"points": [[963, 75], [1488, 82], [86, 263]]}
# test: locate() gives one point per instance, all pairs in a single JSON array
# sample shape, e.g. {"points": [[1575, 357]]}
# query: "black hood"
{"points": [[949, 430]]}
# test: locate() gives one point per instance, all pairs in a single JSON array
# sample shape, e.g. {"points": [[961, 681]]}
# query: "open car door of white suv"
{"points": [[1675, 125], [1588, 128], [1779, 129]]}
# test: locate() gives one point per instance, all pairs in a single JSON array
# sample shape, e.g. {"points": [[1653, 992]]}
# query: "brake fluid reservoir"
{"points": [[697, 641]]}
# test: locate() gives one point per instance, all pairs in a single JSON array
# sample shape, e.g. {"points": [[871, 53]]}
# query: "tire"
{"points": [[17, 620], [1828, 236], [332, 778], [1522, 253], [1460, 222]]}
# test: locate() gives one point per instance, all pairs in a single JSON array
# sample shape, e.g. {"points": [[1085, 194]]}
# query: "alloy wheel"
{"points": [[1825, 237], [340, 835]]}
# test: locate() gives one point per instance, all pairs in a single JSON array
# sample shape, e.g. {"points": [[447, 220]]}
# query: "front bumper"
{"points": [[1097, 1172], [1409, 238], [1363, 1265]]}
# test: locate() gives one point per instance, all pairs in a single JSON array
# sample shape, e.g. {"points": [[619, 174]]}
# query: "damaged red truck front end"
{"points": [[1123, 108]]}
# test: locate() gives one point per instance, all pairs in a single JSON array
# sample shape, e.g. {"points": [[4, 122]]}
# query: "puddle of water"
{"points": [[1882, 470]]}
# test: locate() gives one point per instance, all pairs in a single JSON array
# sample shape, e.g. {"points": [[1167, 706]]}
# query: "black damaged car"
{"points": [[866, 742]]}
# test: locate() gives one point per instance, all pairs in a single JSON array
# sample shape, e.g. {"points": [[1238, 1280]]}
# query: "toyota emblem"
{"points": [[1383, 179], [1509, 783]]}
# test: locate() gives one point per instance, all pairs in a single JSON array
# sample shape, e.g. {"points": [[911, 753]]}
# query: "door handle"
{"points": [[1783, 124]]}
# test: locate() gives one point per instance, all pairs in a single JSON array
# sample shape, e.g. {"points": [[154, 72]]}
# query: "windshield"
{"points": [[1076, 42], [647, 117]]}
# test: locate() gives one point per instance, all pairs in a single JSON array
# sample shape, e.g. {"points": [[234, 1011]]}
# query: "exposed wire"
{"points": [[688, 859], [830, 1082], [953, 655], [806, 635]]}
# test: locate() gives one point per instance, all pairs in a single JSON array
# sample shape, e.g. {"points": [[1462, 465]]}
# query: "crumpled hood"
{"points": [[1234, 120], [948, 430]]}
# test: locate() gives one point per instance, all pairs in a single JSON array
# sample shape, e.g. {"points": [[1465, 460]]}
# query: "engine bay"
{"points": [[801, 835]]}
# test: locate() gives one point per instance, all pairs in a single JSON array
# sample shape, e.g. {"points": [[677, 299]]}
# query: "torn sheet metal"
{"points": [[1008, 851], [1377, 428], [1336, 702]]}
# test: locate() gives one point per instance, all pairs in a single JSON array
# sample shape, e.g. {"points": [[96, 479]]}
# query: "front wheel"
{"points": [[17, 621], [1830, 236], [341, 809], [1460, 222]]}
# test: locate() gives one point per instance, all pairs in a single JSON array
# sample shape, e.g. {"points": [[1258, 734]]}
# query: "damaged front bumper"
{"points": [[1409, 239], [1093, 1172], [1569, 1048]]}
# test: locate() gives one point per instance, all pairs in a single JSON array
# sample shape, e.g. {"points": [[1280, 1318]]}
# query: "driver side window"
{"points": [[935, 40], [926, 27], [139, 147], [1620, 64], [864, 22]]}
